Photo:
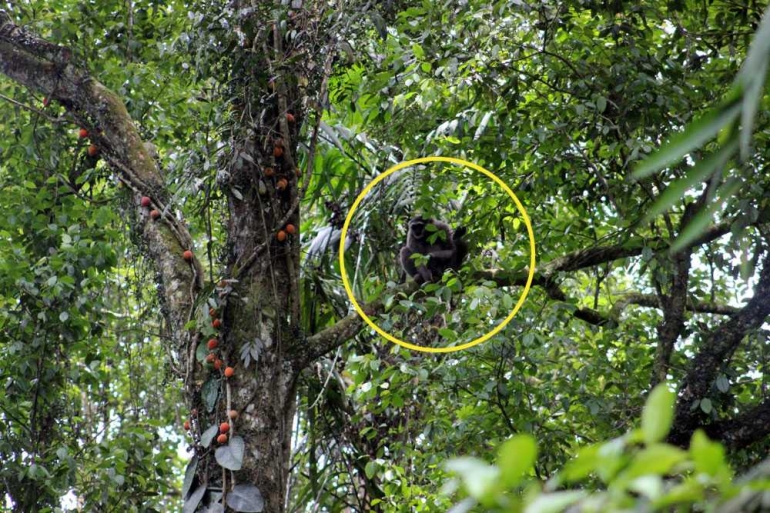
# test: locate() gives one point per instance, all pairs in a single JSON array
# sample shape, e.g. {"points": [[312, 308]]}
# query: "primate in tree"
{"points": [[434, 239]]}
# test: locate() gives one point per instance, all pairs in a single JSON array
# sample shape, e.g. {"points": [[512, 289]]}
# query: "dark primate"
{"points": [[447, 250]]}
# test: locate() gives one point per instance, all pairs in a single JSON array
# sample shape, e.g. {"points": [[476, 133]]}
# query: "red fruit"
{"points": [[282, 184], [213, 343], [281, 235], [46, 102], [290, 117], [211, 358], [93, 150], [291, 229], [154, 214], [269, 171], [233, 414], [277, 152], [146, 202], [213, 313], [224, 427], [222, 439], [82, 133], [187, 255], [229, 372], [216, 323], [187, 425], [218, 364]]}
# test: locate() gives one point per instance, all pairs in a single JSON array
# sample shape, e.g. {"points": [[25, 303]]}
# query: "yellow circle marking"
{"points": [[403, 343]]}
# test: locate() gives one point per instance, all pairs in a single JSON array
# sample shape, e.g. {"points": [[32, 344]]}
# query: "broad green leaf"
{"points": [[695, 135], [246, 498], [515, 458], [553, 502], [658, 414], [655, 459], [709, 457], [230, 456], [478, 476]]}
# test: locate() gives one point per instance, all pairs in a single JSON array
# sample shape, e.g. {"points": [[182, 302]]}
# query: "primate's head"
{"points": [[417, 227]]}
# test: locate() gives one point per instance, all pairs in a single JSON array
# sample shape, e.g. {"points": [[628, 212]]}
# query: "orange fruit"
{"points": [[229, 372], [154, 214], [290, 117], [277, 151], [187, 425], [291, 229], [213, 313], [93, 150], [218, 364], [187, 255], [82, 133], [213, 343], [216, 323], [281, 235], [224, 427], [222, 439], [233, 414], [269, 171], [211, 357], [282, 184]]}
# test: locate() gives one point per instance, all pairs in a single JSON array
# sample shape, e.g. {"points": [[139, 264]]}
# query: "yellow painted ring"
{"points": [[349, 289]]}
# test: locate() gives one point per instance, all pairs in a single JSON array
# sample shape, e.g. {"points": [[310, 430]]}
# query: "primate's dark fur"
{"points": [[446, 251]]}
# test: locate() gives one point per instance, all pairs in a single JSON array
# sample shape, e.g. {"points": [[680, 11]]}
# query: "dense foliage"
{"points": [[562, 102]]}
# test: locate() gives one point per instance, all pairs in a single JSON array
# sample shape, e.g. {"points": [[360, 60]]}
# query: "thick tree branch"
{"points": [[674, 304], [744, 429], [652, 301], [718, 348], [45, 67], [328, 339]]}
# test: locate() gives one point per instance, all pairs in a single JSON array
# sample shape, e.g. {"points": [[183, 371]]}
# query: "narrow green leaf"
{"points": [[658, 414], [751, 99], [699, 173], [695, 135], [697, 226], [759, 49]]}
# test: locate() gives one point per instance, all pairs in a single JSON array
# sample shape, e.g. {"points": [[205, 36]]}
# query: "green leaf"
{"points": [[210, 393], [230, 456], [751, 100], [246, 498], [553, 502], [697, 226], [477, 476], [209, 435], [656, 459], [699, 173], [708, 456], [705, 405], [658, 414], [694, 136], [516, 457], [189, 476], [723, 385], [64, 316], [370, 469]]}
